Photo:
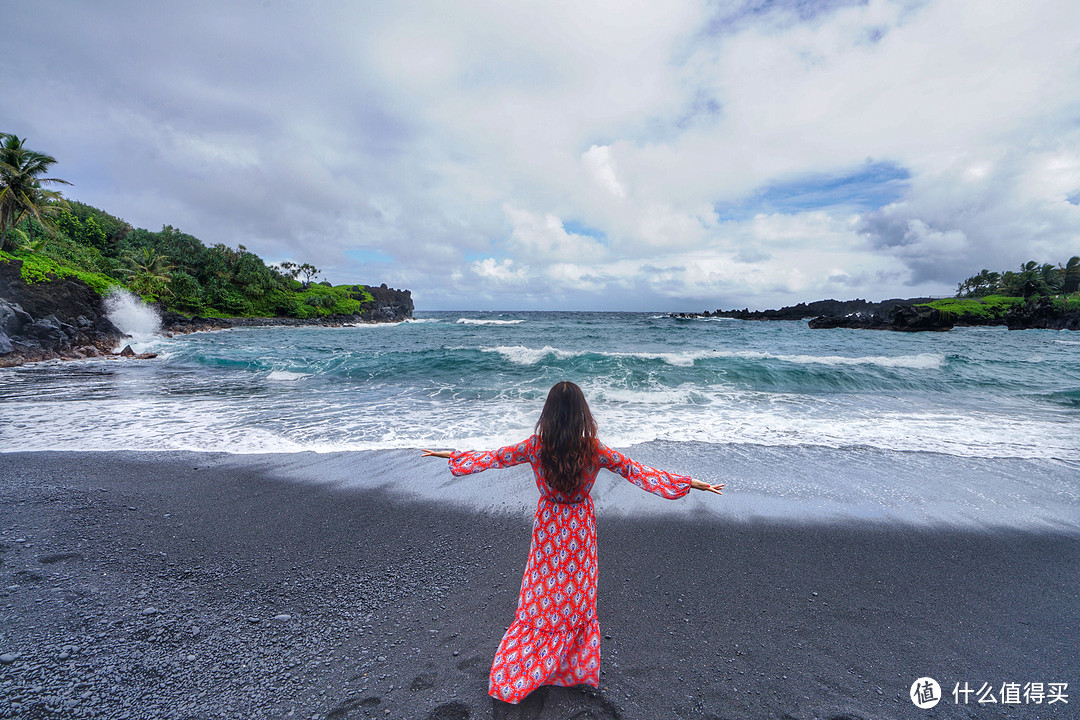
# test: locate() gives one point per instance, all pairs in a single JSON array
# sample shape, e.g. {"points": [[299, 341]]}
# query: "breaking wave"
{"points": [[486, 321]]}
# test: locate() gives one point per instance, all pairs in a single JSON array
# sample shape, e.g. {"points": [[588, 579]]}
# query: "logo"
{"points": [[925, 693]]}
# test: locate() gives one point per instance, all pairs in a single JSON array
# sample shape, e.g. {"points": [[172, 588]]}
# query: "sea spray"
{"points": [[134, 317]]}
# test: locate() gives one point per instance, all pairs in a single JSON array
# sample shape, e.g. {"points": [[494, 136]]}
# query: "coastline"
{"points": [[63, 318], [396, 604], [910, 315]]}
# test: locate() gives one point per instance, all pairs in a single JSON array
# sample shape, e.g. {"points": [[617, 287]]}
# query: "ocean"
{"points": [[847, 411]]}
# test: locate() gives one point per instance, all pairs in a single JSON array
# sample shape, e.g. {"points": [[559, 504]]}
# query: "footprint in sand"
{"points": [[450, 711], [579, 703], [475, 666], [352, 703]]}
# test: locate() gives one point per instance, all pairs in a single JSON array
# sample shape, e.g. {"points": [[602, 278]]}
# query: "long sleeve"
{"points": [[665, 484], [468, 462]]}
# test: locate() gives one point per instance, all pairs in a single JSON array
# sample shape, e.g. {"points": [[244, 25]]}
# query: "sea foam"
{"points": [[522, 355], [486, 321]]}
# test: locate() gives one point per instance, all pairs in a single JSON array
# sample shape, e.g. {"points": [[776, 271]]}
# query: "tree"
{"points": [[310, 272], [1031, 280], [985, 283], [23, 242], [22, 191], [148, 272], [1070, 275], [1051, 278], [288, 269]]}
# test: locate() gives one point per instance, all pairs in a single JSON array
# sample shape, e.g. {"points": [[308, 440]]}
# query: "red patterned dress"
{"points": [[555, 638]]}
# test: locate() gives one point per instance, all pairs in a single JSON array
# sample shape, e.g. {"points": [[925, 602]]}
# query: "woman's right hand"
{"points": [[699, 485], [437, 453]]}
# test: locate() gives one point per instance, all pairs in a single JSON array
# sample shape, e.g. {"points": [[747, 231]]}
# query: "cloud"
{"points": [[598, 160], [500, 272], [595, 155]]}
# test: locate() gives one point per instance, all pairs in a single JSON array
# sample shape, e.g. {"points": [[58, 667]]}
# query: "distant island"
{"points": [[59, 259], [1038, 296]]}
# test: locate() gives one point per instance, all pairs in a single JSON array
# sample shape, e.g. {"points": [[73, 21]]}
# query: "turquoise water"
{"points": [[479, 379]]}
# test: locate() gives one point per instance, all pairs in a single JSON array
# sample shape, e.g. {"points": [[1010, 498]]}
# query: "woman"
{"points": [[555, 637]]}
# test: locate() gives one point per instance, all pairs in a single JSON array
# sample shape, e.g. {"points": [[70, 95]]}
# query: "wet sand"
{"points": [[182, 585]]}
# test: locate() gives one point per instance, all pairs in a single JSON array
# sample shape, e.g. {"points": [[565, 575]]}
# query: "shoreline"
{"points": [[875, 487], [396, 604]]}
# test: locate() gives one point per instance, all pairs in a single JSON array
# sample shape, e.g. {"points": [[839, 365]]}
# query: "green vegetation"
{"points": [[989, 296], [55, 238], [39, 268], [991, 307], [1033, 279]]}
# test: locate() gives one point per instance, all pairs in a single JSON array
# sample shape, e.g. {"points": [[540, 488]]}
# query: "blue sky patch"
{"points": [[870, 187], [573, 227]]}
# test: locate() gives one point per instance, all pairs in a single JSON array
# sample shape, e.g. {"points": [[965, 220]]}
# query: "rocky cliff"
{"points": [[59, 319], [390, 305]]}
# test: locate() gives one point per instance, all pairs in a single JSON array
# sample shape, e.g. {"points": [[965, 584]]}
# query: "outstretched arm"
{"points": [[466, 463], [437, 453], [658, 482]]}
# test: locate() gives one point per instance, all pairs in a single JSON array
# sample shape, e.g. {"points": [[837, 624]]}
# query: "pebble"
{"points": [[8, 658], [283, 617], [191, 658], [150, 611]]}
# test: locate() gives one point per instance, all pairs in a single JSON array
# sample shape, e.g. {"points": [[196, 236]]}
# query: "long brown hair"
{"points": [[568, 436]]}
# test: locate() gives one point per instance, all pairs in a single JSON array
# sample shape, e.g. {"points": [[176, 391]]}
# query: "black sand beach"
{"points": [[182, 586]]}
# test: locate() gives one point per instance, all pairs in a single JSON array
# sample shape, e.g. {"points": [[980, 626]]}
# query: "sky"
{"points": [[679, 155]]}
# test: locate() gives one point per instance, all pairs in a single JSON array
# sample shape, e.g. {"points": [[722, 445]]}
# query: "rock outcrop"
{"points": [[802, 311], [390, 305], [1042, 313], [1036, 313], [62, 319], [902, 318]]}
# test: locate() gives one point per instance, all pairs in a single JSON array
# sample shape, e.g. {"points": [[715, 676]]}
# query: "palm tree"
{"points": [[148, 272], [23, 242], [1070, 275], [1052, 277], [22, 194], [1032, 280]]}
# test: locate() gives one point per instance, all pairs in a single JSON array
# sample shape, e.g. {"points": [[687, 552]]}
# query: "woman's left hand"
{"points": [[699, 485], [437, 453]]}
